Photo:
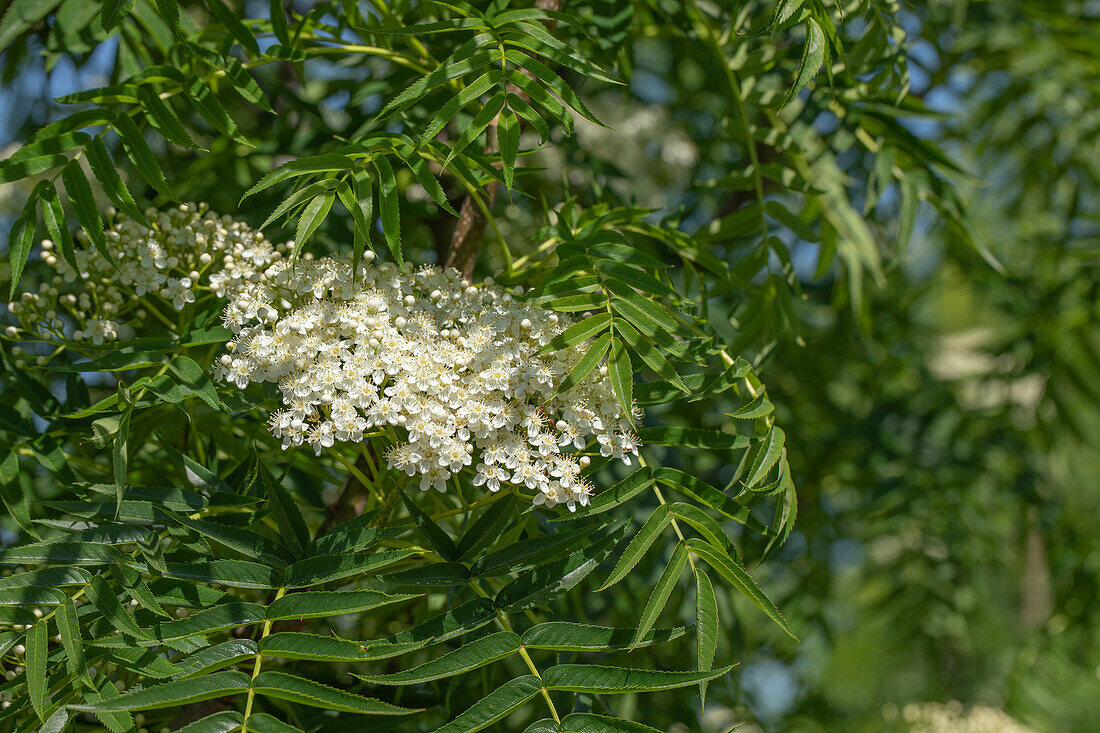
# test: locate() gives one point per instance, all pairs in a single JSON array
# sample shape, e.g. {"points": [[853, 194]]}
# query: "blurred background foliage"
{"points": [[932, 345]]}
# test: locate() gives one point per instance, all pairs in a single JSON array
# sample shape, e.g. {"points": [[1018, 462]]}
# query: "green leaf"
{"points": [[740, 579], [460, 619], [565, 636], [661, 591], [589, 361], [484, 532], [293, 645], [471, 92], [135, 586], [68, 627], [784, 12], [292, 527], [494, 706], [226, 721], [463, 61], [658, 520], [61, 553], [643, 313], [701, 522], [20, 16], [326, 568], [234, 573], [170, 13], [40, 148], [521, 108], [765, 457], [307, 692], [312, 215], [56, 722], [264, 723], [632, 277], [120, 452], [470, 656], [322, 604], [278, 21], [193, 376], [53, 216], [236, 28], [172, 694], [432, 574], [243, 82], [217, 618], [31, 596], [216, 657], [388, 207], [141, 660], [355, 534], [600, 680], [653, 358], [578, 332], [423, 174], [539, 585], [300, 167], [759, 406], [508, 139], [551, 81], [782, 215], [439, 540], [527, 553], [692, 438], [706, 624], [138, 151], [785, 511], [117, 361], [163, 119], [612, 497], [37, 650], [105, 600], [20, 240], [546, 45], [116, 722], [621, 371], [701, 491], [113, 13], [476, 126], [591, 723], [211, 109], [813, 56], [359, 200], [17, 171], [82, 199]]}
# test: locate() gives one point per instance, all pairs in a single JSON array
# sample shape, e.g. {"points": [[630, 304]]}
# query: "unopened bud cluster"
{"points": [[450, 369], [184, 252]]}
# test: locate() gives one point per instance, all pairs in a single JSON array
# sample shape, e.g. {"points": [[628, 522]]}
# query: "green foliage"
{"points": [[189, 573]]}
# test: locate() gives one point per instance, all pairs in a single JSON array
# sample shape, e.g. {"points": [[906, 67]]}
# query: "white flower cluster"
{"points": [[185, 250], [932, 717], [450, 367]]}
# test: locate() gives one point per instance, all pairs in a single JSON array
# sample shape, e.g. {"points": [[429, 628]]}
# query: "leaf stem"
{"points": [[256, 667], [502, 619]]}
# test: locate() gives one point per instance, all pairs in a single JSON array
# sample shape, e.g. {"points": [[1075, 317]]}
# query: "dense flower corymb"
{"points": [[453, 366], [184, 252]]}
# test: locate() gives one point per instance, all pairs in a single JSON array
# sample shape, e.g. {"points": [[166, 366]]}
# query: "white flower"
{"points": [[453, 366], [184, 251]]}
